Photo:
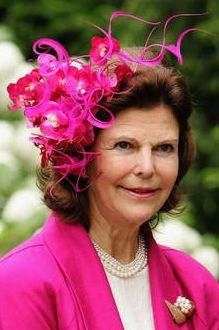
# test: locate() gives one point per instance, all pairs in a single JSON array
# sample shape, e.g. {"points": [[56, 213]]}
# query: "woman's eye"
{"points": [[123, 145], [166, 148]]}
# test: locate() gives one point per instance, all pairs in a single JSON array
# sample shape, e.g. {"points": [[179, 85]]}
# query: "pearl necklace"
{"points": [[116, 268]]}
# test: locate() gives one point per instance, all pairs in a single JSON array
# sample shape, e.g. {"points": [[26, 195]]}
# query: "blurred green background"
{"points": [[24, 21]]}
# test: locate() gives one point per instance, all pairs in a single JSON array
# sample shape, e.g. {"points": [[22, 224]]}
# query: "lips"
{"points": [[141, 192]]}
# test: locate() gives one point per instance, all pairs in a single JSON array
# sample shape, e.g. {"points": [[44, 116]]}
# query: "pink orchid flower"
{"points": [[78, 81], [122, 72], [103, 48], [58, 122], [27, 92]]}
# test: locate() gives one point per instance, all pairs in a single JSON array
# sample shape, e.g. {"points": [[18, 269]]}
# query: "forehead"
{"points": [[152, 123]]}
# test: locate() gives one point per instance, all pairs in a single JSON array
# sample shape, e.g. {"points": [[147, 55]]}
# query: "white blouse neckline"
{"points": [[133, 299]]}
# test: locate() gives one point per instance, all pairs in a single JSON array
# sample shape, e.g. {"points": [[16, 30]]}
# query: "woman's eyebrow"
{"points": [[122, 137], [126, 137], [172, 140]]}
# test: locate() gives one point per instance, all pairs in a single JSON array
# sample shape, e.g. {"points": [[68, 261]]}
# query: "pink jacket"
{"points": [[56, 281]]}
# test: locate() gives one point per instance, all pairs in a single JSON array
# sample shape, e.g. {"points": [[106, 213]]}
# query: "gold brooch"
{"points": [[181, 309]]}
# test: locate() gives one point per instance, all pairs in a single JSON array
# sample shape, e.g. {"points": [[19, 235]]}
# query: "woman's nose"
{"points": [[144, 164]]}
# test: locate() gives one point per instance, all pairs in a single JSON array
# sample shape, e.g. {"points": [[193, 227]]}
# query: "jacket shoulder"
{"points": [[187, 266], [27, 263], [32, 289]]}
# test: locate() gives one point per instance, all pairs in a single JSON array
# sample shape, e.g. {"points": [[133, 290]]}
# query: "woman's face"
{"points": [[137, 168]]}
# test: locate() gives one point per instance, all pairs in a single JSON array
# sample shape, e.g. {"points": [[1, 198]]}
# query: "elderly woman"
{"points": [[115, 143]]}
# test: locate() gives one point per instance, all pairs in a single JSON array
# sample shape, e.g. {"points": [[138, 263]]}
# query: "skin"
{"points": [[133, 176]]}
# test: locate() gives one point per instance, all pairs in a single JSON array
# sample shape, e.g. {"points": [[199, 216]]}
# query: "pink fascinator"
{"points": [[62, 96]]}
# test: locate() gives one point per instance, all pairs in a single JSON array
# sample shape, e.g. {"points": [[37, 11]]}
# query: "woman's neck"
{"points": [[121, 243]]}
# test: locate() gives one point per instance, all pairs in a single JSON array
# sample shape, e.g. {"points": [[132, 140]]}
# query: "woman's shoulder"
{"points": [[187, 266], [34, 242], [28, 262], [181, 258], [31, 283]]}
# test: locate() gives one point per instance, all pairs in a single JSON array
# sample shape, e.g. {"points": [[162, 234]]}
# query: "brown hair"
{"points": [[160, 85]]}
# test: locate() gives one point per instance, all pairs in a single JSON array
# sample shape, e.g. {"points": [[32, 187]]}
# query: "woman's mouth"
{"points": [[141, 193]]}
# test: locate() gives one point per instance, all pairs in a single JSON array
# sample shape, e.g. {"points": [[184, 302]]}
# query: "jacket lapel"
{"points": [[163, 287], [167, 284], [75, 254]]}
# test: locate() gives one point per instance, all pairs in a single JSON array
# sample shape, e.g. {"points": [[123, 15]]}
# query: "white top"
{"points": [[133, 300]]}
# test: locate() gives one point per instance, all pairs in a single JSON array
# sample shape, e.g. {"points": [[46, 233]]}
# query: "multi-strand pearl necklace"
{"points": [[116, 268]]}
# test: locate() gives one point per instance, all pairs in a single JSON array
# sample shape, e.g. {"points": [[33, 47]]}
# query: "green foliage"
{"points": [[202, 181], [14, 233], [60, 19]]}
